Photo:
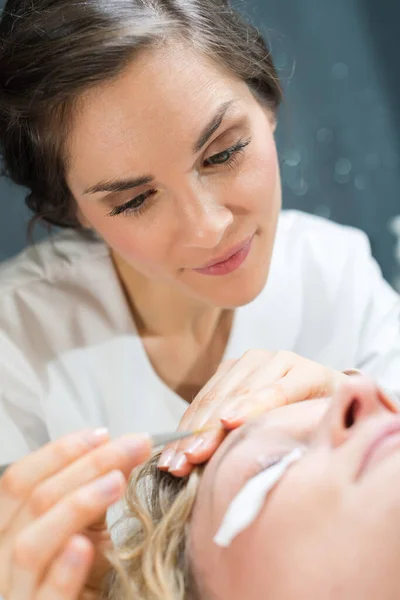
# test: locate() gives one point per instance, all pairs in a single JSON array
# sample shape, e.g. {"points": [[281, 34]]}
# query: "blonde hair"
{"points": [[153, 561]]}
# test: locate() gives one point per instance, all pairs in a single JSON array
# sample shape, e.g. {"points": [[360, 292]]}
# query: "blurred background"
{"points": [[339, 134]]}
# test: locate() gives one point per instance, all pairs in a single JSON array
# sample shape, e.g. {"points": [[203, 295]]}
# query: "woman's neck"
{"points": [[184, 339]]}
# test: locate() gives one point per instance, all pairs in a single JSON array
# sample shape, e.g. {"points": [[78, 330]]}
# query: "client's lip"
{"points": [[383, 444], [224, 257]]}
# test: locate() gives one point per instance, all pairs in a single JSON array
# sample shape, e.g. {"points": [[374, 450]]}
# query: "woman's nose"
{"points": [[356, 400], [206, 222]]}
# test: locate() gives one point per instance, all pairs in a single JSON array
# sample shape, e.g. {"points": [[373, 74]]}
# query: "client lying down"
{"points": [[300, 504]]}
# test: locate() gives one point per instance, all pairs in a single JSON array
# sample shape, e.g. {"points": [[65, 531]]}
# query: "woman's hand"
{"points": [[53, 503], [255, 383]]}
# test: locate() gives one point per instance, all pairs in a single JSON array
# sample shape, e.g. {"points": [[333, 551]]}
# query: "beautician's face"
{"points": [[193, 205], [330, 529]]}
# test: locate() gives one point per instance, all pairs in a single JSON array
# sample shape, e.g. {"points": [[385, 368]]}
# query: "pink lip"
{"points": [[388, 438], [230, 261]]}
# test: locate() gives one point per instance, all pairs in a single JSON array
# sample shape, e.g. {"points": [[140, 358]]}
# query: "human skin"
{"points": [[196, 212], [331, 527]]}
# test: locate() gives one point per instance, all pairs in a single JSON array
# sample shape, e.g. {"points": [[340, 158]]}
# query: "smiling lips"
{"points": [[230, 262]]}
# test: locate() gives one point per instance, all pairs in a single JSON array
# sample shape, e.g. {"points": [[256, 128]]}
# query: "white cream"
{"points": [[247, 504]]}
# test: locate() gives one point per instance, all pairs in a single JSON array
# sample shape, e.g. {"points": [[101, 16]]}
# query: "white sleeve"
{"points": [[377, 311], [22, 427]]}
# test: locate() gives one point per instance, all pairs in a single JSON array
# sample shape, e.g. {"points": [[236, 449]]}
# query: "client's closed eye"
{"points": [[264, 463]]}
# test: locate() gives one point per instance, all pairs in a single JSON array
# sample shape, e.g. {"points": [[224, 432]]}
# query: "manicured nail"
{"points": [[95, 437], [110, 485], [195, 445], [166, 459], [132, 445], [178, 462], [231, 417]]}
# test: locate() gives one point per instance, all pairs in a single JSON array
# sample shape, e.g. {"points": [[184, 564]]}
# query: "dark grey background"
{"points": [[338, 136]]}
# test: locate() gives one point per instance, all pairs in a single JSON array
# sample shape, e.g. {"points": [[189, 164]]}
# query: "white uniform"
{"points": [[70, 355]]}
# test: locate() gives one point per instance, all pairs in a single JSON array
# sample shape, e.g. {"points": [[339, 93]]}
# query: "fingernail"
{"points": [[195, 445], [178, 462], [166, 459], [110, 485], [95, 437], [232, 416], [132, 445]]}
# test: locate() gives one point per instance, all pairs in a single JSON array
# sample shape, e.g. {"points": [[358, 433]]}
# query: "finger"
{"points": [[261, 376], [236, 381], [209, 407], [122, 454], [36, 547], [270, 371], [203, 449], [189, 418], [204, 409], [67, 575], [262, 379], [170, 451], [22, 477], [183, 469], [292, 388]]}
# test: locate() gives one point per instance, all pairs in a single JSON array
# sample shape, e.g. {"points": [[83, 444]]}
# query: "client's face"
{"points": [[330, 528]]}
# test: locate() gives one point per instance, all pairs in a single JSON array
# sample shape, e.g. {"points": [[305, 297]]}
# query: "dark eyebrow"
{"points": [[118, 185], [121, 185], [212, 126]]}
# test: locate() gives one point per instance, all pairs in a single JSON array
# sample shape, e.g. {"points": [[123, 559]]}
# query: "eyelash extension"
{"points": [[132, 206]]}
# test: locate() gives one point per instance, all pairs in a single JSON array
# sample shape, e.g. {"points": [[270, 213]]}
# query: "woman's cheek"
{"points": [[125, 235], [261, 177], [141, 251]]}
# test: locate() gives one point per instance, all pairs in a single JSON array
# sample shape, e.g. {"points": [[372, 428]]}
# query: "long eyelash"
{"points": [[235, 151], [128, 208]]}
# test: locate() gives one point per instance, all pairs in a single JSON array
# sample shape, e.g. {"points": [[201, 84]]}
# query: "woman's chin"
{"points": [[239, 292]]}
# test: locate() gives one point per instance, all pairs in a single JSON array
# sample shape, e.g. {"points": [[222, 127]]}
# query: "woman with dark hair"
{"points": [[145, 128]]}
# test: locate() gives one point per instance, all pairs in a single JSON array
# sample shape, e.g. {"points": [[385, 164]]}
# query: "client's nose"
{"points": [[356, 400]]}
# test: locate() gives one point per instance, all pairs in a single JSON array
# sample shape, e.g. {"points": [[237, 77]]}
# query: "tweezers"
{"points": [[158, 439]]}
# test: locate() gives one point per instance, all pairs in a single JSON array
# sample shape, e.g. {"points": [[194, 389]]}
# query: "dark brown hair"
{"points": [[51, 51]]}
